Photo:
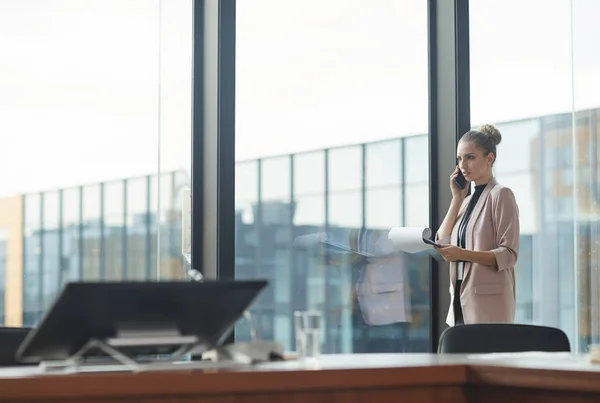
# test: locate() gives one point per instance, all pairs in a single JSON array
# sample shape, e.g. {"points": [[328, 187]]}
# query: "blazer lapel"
{"points": [[474, 217]]}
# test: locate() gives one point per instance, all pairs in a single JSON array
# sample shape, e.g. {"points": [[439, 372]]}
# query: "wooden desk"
{"points": [[342, 378]]}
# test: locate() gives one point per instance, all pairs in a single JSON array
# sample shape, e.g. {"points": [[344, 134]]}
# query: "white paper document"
{"points": [[414, 240]]}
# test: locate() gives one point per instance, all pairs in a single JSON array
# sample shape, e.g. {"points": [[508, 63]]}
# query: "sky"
{"points": [[95, 90]]}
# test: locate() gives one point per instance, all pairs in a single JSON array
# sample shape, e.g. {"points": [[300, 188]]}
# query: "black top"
{"points": [[462, 228]]}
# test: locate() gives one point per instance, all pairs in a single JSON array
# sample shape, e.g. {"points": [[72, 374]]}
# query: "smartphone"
{"points": [[460, 180], [430, 242]]}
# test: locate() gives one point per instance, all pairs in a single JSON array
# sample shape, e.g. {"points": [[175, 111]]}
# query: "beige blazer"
{"points": [[487, 293]]}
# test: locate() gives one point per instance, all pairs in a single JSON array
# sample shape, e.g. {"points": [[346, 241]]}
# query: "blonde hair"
{"points": [[486, 138]]}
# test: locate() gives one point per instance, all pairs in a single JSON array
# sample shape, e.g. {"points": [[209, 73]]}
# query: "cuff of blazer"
{"points": [[505, 258], [442, 241]]}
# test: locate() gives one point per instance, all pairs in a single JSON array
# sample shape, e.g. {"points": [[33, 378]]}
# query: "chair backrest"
{"points": [[502, 338], [10, 339]]}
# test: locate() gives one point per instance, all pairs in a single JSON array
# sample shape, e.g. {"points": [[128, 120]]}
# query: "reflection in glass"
{"points": [[138, 228], [309, 173], [516, 148], [384, 208], [416, 199], [51, 244], [92, 231], [383, 163], [72, 235], [345, 169], [153, 217], [246, 181], [275, 177], [338, 119], [309, 212], [32, 249], [113, 230], [170, 257], [345, 209], [548, 154], [586, 145], [119, 107], [417, 159], [3, 258]]}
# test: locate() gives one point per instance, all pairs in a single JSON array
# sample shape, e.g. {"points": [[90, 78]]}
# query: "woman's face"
{"points": [[475, 166]]}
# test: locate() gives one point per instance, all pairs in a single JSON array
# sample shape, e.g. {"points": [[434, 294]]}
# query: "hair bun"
{"points": [[493, 132]]}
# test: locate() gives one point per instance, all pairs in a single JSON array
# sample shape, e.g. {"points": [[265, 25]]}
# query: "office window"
{"points": [[138, 229], [309, 174], [51, 247], [93, 98], [32, 252], [246, 217], [3, 258], [309, 192], [72, 229], [334, 87], [585, 144], [524, 81], [384, 184], [93, 226], [417, 157], [113, 234]]}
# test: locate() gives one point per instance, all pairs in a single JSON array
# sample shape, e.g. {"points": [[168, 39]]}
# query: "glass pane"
{"points": [[417, 159], [345, 209], [32, 263], [51, 263], [416, 213], [309, 212], [525, 132], [538, 157], [338, 87], [3, 265], [152, 220], [114, 229], [138, 228], [384, 208], [72, 240], [585, 182], [108, 108], [176, 40], [276, 179], [92, 227], [170, 256], [246, 181], [384, 163], [309, 174], [345, 169]]}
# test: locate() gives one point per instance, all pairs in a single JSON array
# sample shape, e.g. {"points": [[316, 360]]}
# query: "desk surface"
{"points": [[550, 372]]}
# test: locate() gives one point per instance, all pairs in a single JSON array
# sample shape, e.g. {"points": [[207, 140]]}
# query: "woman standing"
{"points": [[480, 236]]}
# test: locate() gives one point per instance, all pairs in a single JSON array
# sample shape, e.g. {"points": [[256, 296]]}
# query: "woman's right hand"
{"points": [[458, 193]]}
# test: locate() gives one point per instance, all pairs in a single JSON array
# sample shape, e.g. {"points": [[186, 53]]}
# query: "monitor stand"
{"points": [[164, 347], [156, 342]]}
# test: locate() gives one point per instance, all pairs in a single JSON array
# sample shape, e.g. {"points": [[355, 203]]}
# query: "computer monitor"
{"points": [[102, 310]]}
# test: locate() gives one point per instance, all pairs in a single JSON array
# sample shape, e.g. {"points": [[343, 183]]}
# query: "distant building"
{"points": [[109, 231]]}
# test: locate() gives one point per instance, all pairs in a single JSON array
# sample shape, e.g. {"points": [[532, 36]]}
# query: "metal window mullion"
{"points": [[449, 118]]}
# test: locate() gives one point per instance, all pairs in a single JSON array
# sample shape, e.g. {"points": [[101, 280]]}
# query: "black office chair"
{"points": [[502, 338], [10, 339]]}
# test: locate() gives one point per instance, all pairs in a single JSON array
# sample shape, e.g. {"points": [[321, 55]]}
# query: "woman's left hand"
{"points": [[451, 253]]}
